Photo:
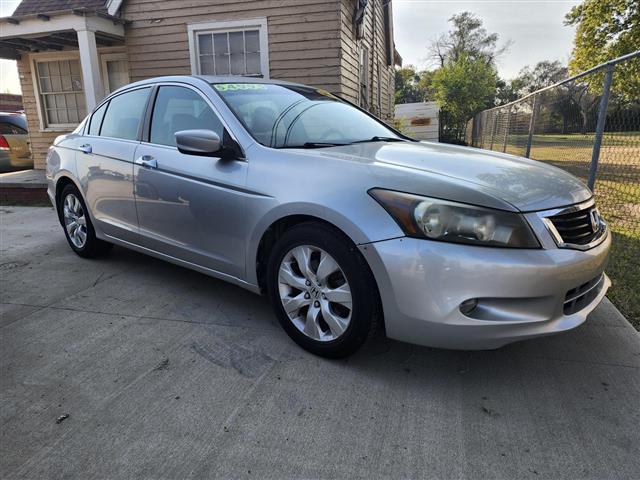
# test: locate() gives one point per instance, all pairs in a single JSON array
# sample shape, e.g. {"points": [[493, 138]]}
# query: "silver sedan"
{"points": [[346, 224]]}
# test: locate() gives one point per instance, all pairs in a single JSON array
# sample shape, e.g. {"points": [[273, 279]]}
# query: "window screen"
{"points": [[229, 53], [61, 96]]}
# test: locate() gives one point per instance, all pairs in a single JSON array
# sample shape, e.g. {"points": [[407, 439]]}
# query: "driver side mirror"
{"points": [[198, 142]]}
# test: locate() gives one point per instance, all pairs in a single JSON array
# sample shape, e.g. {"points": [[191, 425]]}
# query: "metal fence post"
{"points": [[493, 130], [506, 131], [532, 125], [602, 118]]}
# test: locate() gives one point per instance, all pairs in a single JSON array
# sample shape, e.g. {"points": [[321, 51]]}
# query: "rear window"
{"points": [[11, 129]]}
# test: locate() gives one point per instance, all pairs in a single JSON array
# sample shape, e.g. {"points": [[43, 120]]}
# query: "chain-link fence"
{"points": [[588, 125]]}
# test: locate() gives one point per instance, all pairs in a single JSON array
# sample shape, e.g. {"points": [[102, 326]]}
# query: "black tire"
{"points": [[93, 246], [365, 299]]}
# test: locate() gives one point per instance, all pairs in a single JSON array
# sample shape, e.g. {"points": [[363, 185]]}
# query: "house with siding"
{"points": [[71, 53]]}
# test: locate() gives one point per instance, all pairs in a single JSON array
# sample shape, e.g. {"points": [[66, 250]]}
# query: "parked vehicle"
{"points": [[342, 221], [14, 143]]}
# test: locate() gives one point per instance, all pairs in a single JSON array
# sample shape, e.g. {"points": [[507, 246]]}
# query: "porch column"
{"points": [[93, 88]]}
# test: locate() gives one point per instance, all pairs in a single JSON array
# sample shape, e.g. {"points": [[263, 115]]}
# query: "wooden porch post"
{"points": [[90, 65]]}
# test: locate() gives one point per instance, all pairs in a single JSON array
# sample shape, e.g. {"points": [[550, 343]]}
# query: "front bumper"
{"points": [[521, 293]]}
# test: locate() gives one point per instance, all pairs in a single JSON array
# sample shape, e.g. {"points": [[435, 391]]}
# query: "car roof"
{"points": [[237, 79], [208, 79], [14, 118]]}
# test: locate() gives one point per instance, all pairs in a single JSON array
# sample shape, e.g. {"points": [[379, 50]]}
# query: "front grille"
{"points": [[578, 228], [579, 297]]}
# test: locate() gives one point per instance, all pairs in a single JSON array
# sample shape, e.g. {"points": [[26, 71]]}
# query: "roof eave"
{"points": [[46, 16]]}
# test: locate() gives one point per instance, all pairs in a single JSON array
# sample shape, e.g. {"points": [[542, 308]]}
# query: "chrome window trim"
{"points": [[544, 217]]}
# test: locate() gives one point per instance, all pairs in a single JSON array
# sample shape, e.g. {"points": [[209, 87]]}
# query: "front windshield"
{"points": [[284, 116]]}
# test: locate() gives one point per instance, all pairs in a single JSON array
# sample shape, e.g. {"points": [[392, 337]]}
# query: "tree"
{"points": [[543, 74], [467, 38], [563, 104], [462, 88], [508, 91], [412, 86], [466, 81], [607, 29]]}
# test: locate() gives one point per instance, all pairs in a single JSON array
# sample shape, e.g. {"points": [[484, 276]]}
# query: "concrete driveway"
{"points": [[166, 373]]}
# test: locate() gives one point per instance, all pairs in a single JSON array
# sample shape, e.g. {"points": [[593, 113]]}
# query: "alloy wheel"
{"points": [[315, 293], [75, 220]]}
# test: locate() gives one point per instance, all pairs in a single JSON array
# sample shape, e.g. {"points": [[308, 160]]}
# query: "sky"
{"points": [[534, 28], [9, 82]]}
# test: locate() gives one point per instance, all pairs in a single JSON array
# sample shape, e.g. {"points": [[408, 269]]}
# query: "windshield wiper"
{"points": [[380, 139], [316, 145]]}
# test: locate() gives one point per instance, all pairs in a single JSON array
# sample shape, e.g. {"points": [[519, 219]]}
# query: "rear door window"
{"points": [[124, 114], [180, 108]]}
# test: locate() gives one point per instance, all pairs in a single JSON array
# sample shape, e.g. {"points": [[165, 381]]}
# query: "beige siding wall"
{"points": [[381, 76], [304, 36], [40, 141]]}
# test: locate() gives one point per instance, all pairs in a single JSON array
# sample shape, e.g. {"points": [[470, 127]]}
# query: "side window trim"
{"points": [[151, 104], [143, 128]]}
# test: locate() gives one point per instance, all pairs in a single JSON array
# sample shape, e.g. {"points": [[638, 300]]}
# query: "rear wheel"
{"points": [[322, 290], [77, 225]]}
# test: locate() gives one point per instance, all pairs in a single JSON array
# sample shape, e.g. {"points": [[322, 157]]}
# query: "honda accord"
{"points": [[346, 224]]}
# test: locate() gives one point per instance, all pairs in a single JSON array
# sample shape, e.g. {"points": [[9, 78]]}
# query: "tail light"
{"points": [[4, 145]]}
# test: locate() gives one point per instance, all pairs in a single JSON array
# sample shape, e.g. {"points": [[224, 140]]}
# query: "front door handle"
{"points": [[86, 148], [147, 161]]}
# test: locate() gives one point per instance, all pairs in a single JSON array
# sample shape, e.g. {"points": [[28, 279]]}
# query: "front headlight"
{"points": [[435, 219]]}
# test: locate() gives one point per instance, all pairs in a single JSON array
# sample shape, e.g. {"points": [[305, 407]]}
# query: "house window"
{"points": [[388, 33], [115, 71], [379, 88], [230, 48], [62, 101], [364, 77]]}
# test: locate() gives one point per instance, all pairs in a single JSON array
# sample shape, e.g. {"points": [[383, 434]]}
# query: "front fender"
{"points": [[354, 231]]}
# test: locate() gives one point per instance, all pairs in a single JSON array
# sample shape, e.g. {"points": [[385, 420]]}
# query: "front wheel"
{"points": [[322, 290]]}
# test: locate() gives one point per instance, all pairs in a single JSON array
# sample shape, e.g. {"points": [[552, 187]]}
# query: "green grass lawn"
{"points": [[617, 192]]}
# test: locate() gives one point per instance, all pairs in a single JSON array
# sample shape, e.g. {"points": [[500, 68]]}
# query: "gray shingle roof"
{"points": [[28, 7]]}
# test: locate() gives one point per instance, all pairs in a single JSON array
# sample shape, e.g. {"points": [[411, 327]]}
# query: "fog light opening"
{"points": [[468, 306]]}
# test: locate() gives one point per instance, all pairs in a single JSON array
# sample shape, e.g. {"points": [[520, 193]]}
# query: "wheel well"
{"points": [[275, 231], [60, 184], [269, 238]]}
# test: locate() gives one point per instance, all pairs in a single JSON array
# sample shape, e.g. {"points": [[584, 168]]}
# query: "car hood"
{"points": [[525, 184]]}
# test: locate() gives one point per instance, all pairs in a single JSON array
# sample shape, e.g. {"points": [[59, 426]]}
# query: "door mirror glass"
{"points": [[198, 142]]}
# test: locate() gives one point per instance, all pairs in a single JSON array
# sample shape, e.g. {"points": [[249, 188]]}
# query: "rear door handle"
{"points": [[86, 148], [147, 161]]}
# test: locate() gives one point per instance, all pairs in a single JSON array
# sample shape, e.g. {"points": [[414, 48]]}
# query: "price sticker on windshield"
{"points": [[232, 87]]}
